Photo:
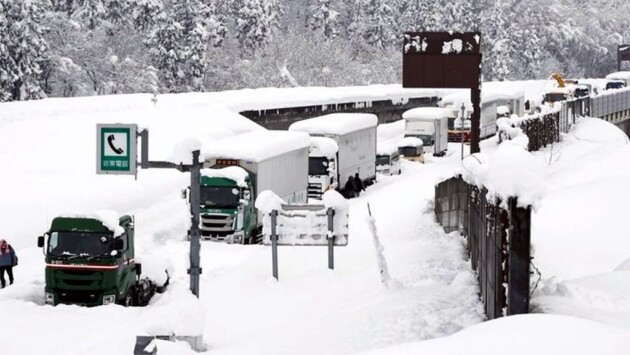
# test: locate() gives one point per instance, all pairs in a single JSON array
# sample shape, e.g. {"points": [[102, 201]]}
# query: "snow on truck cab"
{"points": [[429, 124], [355, 137], [387, 159], [238, 169], [90, 261], [411, 148], [618, 80]]}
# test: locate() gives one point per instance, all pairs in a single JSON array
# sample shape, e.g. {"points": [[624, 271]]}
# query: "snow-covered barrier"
{"points": [[306, 225], [497, 232]]}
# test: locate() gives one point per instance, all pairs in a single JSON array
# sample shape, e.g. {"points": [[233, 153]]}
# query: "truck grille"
{"points": [[76, 297], [315, 190], [79, 278], [216, 226]]}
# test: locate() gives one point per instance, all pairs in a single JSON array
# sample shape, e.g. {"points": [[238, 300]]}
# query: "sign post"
{"points": [[446, 60]]}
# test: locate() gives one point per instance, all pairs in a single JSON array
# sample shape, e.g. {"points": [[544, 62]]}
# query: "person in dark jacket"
{"points": [[358, 184], [348, 188], [8, 260]]}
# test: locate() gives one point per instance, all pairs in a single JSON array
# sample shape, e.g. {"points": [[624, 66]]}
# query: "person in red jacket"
{"points": [[8, 259]]}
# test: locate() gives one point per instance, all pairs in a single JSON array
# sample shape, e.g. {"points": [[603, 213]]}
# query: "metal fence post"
{"points": [[331, 238], [195, 246], [519, 258], [274, 244]]}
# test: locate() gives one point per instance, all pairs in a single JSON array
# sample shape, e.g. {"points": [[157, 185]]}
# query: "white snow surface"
{"points": [[392, 131], [46, 150], [425, 113], [234, 173], [324, 146], [336, 123], [257, 146], [620, 75], [410, 142], [386, 148]]}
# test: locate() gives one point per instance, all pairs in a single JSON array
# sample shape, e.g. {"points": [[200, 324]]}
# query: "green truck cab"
{"points": [[89, 264], [227, 213]]}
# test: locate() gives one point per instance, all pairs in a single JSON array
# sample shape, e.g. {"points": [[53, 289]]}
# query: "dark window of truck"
{"points": [[317, 166], [80, 243], [220, 196]]}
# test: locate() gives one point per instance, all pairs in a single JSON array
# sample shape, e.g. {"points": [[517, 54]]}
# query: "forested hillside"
{"points": [[96, 47]]}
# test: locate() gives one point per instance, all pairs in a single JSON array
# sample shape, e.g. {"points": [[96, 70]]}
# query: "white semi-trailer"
{"points": [[430, 124], [238, 169], [354, 135]]}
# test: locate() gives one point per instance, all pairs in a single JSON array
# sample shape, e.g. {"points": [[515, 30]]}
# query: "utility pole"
{"points": [[462, 127]]}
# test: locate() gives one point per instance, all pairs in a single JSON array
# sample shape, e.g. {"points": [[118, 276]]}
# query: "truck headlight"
{"points": [[109, 299], [50, 298]]}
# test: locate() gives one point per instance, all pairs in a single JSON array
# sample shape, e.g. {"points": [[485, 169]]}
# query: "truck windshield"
{"points": [[382, 160], [554, 97], [79, 243], [409, 151], [220, 196], [317, 166], [615, 85]]}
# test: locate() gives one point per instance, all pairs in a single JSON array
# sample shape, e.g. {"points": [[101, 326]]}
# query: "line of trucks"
{"points": [[90, 260]]}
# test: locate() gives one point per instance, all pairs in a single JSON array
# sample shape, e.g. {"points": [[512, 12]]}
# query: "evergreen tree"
{"points": [[324, 19], [23, 49], [90, 13], [146, 13], [255, 23]]}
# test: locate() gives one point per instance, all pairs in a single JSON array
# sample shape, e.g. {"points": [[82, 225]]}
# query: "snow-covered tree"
{"points": [[374, 23], [23, 49], [146, 13], [324, 19], [90, 13], [255, 23]]}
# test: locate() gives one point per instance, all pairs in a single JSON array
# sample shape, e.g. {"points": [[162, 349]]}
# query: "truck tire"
{"points": [[129, 300]]}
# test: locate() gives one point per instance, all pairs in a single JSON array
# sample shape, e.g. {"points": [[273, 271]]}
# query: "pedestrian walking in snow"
{"points": [[358, 184], [349, 189], [8, 259]]}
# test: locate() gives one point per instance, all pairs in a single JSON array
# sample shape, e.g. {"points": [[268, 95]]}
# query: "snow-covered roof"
{"points": [[410, 142], [426, 113], [503, 110], [336, 123], [620, 75], [109, 219], [325, 146], [258, 145], [234, 173], [386, 148]]}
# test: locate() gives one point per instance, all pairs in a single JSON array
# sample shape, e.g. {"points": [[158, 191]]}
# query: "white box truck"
{"points": [[238, 169], [430, 124], [355, 138]]}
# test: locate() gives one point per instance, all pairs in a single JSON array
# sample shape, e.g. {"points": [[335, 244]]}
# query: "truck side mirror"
{"points": [[40, 241], [138, 269], [247, 195]]}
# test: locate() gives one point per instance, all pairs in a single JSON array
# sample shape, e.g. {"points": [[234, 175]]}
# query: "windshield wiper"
{"points": [[93, 257]]}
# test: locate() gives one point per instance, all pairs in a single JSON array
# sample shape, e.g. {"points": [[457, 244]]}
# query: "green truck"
{"points": [[243, 167], [90, 262]]}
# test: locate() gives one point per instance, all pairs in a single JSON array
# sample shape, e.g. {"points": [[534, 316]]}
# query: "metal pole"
{"points": [[274, 244], [331, 239], [195, 246], [462, 128], [144, 154], [475, 95]]}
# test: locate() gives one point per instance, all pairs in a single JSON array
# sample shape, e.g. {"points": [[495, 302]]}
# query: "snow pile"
{"points": [[525, 335], [323, 146], [410, 142], [620, 75], [234, 173], [156, 268], [336, 123], [425, 113], [182, 152], [266, 202], [177, 312], [503, 110], [390, 131], [595, 130], [109, 219], [509, 171], [258, 145], [386, 148], [624, 266]]}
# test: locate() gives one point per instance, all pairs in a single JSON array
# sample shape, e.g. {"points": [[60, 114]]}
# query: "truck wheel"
{"points": [[128, 301]]}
